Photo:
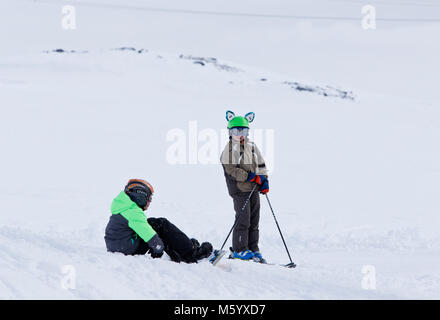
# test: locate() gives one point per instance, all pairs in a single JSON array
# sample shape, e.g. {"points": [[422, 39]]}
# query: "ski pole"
{"points": [[291, 264], [236, 219]]}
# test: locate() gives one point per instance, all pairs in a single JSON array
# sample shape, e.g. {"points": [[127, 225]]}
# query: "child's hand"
{"points": [[264, 188], [252, 177], [257, 178]]}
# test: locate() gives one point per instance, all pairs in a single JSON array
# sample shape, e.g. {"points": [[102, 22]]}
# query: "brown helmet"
{"points": [[140, 191], [132, 183]]}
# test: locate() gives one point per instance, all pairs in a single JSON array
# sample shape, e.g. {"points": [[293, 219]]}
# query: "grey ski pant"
{"points": [[246, 233]]}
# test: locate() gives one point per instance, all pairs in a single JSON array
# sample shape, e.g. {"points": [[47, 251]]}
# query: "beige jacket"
{"points": [[238, 159]]}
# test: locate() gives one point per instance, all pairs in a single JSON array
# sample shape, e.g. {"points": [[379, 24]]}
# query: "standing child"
{"points": [[244, 168]]}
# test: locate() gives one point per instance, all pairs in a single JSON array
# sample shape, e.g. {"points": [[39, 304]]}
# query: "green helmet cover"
{"points": [[238, 122]]}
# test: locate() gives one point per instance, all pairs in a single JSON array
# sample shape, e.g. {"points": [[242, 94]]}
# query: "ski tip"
{"points": [[216, 256]]}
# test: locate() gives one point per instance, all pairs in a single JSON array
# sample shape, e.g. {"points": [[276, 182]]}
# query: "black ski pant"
{"points": [[177, 245], [246, 233]]}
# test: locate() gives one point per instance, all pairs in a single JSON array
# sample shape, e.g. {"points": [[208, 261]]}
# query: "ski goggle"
{"points": [[148, 195], [239, 131]]}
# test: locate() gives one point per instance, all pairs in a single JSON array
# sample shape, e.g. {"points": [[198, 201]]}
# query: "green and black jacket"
{"points": [[127, 226]]}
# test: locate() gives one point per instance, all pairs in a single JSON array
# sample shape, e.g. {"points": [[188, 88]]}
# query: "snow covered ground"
{"points": [[355, 162]]}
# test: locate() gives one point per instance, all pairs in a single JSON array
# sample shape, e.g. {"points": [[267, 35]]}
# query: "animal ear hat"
{"points": [[239, 121]]}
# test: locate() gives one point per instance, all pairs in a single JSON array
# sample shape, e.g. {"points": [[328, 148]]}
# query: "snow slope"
{"points": [[354, 182]]}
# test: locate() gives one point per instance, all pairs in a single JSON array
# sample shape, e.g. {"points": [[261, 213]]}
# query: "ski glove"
{"points": [[155, 246], [257, 178], [252, 177], [264, 188]]}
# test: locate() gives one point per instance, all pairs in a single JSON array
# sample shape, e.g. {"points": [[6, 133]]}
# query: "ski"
{"points": [[263, 261], [289, 265], [216, 256]]}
